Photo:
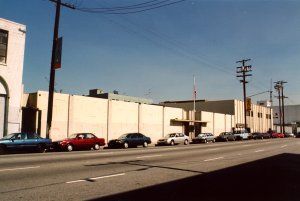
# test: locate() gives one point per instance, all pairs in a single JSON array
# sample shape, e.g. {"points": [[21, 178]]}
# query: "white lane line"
{"points": [[95, 178], [212, 159], [259, 150], [22, 168], [108, 176], [283, 146], [213, 149], [151, 156], [240, 154], [247, 145]]}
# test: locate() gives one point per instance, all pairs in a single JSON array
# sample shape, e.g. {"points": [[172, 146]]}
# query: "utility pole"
{"points": [[52, 69], [194, 109], [242, 72], [279, 87]]}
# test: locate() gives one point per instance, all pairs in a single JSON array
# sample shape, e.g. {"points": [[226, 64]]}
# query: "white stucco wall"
{"points": [[12, 71]]}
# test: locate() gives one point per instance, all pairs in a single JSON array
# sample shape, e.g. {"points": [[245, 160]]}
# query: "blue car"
{"points": [[24, 142]]}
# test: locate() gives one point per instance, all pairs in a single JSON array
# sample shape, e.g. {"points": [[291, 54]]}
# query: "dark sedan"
{"points": [[226, 136], [130, 140], [261, 135], [204, 137], [24, 142]]}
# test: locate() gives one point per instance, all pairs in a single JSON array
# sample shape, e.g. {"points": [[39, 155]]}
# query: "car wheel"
{"points": [[214, 140], [145, 144], [126, 145], [70, 147], [96, 146], [186, 142], [226, 139], [205, 141], [262, 137], [172, 143], [41, 148]]}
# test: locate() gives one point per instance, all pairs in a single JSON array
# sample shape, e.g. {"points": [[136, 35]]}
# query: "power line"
{"points": [[132, 9]]}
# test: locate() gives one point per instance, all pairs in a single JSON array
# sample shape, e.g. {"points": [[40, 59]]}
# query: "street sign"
{"points": [[57, 56], [248, 104]]}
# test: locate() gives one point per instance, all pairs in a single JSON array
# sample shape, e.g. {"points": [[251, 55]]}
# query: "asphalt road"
{"points": [[245, 170]]}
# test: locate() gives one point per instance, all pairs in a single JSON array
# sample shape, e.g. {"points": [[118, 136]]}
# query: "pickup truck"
{"points": [[241, 135]]}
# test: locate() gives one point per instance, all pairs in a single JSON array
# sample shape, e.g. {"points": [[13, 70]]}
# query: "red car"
{"points": [[277, 135], [80, 141]]}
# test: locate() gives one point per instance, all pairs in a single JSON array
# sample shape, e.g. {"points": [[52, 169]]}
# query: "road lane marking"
{"points": [[22, 168], [283, 146], [259, 150], [213, 149], [247, 145], [108, 176], [95, 178], [212, 159], [151, 156]]}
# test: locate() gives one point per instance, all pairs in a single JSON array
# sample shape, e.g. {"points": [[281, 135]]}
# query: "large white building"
{"points": [[291, 118], [12, 45]]}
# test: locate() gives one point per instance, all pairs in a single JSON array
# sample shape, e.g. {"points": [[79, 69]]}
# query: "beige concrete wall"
{"points": [[151, 121], [219, 123], [87, 114], [209, 118], [228, 122], [172, 113], [123, 118]]}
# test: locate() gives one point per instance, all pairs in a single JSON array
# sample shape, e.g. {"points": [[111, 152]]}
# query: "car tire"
{"points": [[214, 140], [262, 137], [186, 142], [41, 148], [172, 143], [145, 144], [226, 139], [70, 147], [96, 146], [205, 141], [126, 145]]}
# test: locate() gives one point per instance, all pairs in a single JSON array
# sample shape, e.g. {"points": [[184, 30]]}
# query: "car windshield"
{"points": [[171, 135], [8, 136], [73, 136], [123, 136], [201, 135], [225, 133]]}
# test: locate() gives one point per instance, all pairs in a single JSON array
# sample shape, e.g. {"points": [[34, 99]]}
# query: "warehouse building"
{"points": [[12, 46], [292, 118], [105, 117], [224, 115]]}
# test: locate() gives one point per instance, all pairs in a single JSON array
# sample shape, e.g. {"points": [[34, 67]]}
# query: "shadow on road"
{"points": [[276, 179]]}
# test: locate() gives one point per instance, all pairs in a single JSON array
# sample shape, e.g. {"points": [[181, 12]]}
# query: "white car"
{"points": [[174, 138]]}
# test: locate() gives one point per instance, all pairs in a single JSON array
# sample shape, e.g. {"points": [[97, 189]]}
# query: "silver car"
{"points": [[174, 138]]}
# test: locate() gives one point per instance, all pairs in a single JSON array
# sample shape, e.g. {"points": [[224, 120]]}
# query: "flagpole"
{"points": [[194, 111]]}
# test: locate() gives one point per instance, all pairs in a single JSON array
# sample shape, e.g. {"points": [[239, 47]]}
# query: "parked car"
{"points": [[174, 138], [204, 137], [298, 134], [225, 136], [79, 141], [24, 142], [289, 135], [241, 135], [261, 135], [130, 140], [277, 135]]}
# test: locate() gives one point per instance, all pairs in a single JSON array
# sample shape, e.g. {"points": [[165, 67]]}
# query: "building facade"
{"points": [[227, 113], [291, 116], [105, 118], [12, 46]]}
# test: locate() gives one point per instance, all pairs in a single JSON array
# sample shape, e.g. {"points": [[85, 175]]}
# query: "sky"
{"points": [[155, 54]]}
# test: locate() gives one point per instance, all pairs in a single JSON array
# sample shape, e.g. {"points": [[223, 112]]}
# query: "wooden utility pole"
{"points": [[242, 72], [53, 67]]}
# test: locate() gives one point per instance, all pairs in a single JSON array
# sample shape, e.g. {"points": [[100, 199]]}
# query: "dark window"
{"points": [[251, 113], [32, 136], [3, 45]]}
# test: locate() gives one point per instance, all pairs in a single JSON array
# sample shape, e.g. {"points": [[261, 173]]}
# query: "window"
{"points": [[3, 45], [90, 136]]}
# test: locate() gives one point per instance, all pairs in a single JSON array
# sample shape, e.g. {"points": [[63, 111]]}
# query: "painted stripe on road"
{"points": [[213, 149], [212, 159], [283, 146], [21, 168], [259, 150], [95, 178], [151, 156]]}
